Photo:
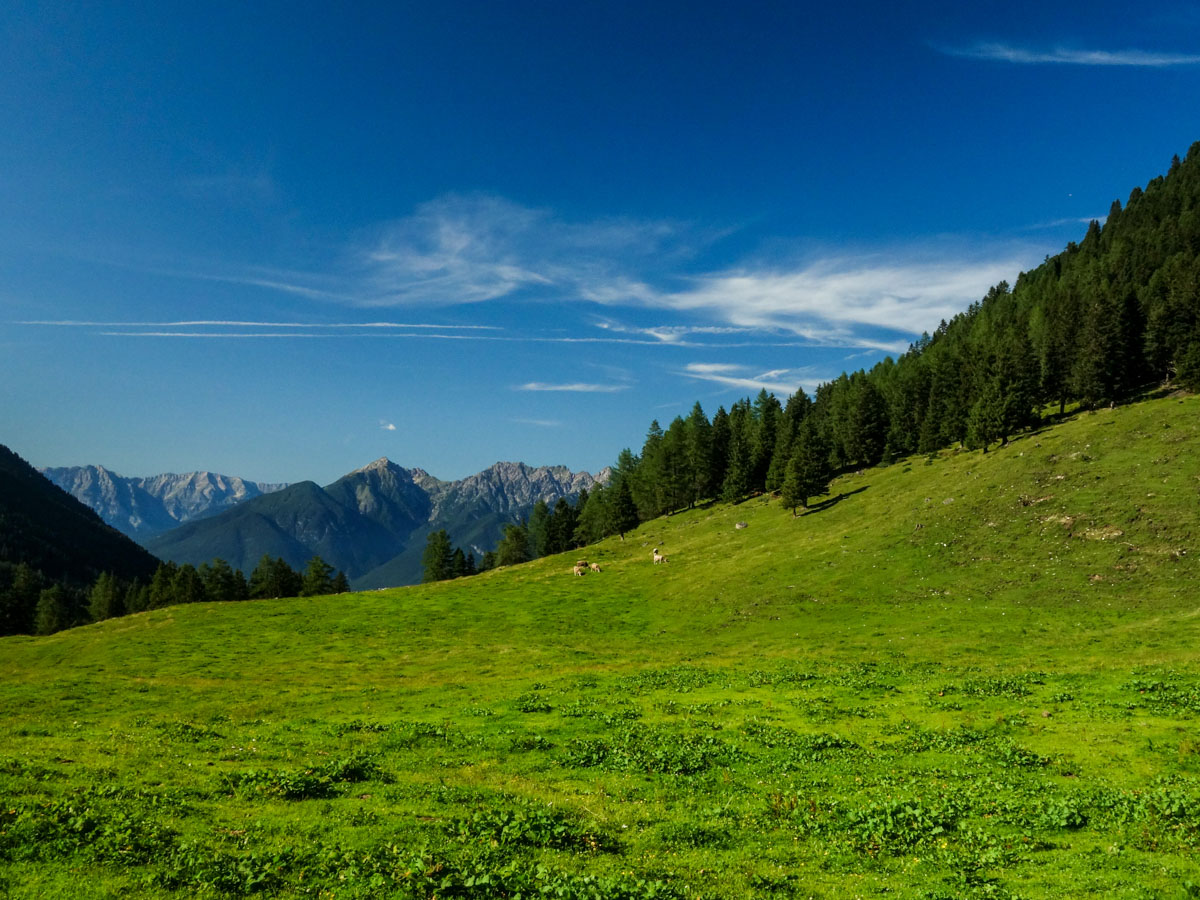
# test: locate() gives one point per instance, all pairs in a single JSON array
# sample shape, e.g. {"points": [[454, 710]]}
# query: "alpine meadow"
{"points": [[958, 675], [623, 451]]}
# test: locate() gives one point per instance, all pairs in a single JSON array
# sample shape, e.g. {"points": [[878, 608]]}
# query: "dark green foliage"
{"points": [[107, 598], [54, 610], [318, 578], [46, 528], [808, 472], [622, 513], [513, 547], [272, 578], [438, 561], [222, 583]]}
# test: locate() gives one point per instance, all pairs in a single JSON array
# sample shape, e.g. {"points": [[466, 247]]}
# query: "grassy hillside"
{"points": [[969, 675]]}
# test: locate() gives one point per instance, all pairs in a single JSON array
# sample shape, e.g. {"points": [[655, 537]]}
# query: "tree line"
{"points": [[1109, 317], [31, 603]]}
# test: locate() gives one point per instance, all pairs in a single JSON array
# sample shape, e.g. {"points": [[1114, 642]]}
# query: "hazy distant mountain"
{"points": [[56, 534], [371, 523], [145, 507]]}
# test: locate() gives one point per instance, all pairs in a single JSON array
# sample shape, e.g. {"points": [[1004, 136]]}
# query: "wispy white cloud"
{"points": [[460, 250], [828, 301], [386, 426], [539, 423], [469, 249], [574, 387], [1003, 52], [778, 381]]}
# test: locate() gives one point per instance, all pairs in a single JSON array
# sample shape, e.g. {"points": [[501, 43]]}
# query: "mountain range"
{"points": [[145, 507], [372, 523]]}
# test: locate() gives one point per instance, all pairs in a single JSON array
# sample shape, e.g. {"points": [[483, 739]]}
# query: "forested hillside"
{"points": [[1110, 316], [51, 548]]}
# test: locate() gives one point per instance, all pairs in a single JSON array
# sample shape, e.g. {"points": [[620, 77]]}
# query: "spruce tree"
{"points": [[513, 547], [538, 530], [438, 559], [53, 612], [622, 512], [341, 584], [106, 599], [318, 578]]}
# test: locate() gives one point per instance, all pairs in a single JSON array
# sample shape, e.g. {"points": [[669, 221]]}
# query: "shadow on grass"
{"points": [[832, 501]]}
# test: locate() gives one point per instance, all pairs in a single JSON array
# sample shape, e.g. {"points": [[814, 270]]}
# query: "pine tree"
{"points": [[341, 584], [513, 547], [622, 512], [538, 530], [106, 599], [53, 612], [737, 471], [222, 583], [318, 578], [592, 525], [458, 563], [438, 559], [720, 452], [698, 441], [187, 586], [19, 602], [162, 586], [810, 465]]}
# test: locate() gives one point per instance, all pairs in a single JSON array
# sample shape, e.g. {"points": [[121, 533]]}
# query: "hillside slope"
{"points": [[957, 676], [56, 534]]}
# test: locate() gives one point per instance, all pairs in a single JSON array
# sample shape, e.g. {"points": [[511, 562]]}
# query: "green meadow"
{"points": [[963, 675]]}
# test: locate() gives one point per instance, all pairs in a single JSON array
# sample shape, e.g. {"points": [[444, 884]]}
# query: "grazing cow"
{"points": [[579, 570], [658, 557], [595, 567]]}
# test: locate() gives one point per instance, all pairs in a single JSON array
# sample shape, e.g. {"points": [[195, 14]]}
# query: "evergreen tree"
{"points": [[19, 602], [562, 527], [273, 578], [458, 563], [469, 569], [592, 525], [720, 452], [438, 559], [137, 598], [647, 484], [341, 584], [698, 441], [222, 583], [513, 547], [809, 469], [538, 530], [488, 561], [622, 512], [53, 612], [318, 578], [766, 415], [162, 586], [106, 599], [738, 467], [187, 586]]}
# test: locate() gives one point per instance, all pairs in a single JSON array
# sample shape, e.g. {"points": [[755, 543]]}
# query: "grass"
{"points": [[967, 675]]}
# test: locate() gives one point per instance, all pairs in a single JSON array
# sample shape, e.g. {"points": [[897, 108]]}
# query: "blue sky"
{"points": [[284, 241]]}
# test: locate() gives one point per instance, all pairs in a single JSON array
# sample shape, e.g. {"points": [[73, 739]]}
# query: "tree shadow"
{"points": [[832, 501]]}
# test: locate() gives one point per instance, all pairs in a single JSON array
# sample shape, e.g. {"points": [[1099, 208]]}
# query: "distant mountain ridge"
{"points": [[145, 507], [373, 522]]}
